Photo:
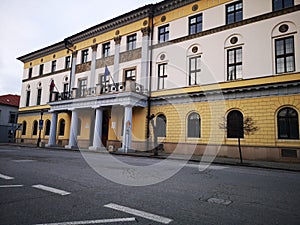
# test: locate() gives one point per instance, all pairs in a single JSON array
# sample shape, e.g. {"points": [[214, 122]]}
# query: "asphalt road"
{"points": [[39, 186]]}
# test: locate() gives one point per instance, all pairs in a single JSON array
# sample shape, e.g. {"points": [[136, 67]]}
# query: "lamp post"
{"points": [[41, 122]]}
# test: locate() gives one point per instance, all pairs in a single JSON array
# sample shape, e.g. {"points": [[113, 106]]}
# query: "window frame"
{"points": [[191, 25], [131, 42], [68, 62], [283, 5], [131, 77], [196, 71], [47, 127], [234, 12], [41, 69], [162, 67], [289, 121], [284, 55], [53, 66], [238, 121], [82, 87], [163, 33], [106, 49], [24, 127], [30, 70], [39, 96], [61, 128], [27, 103], [192, 133], [12, 117], [161, 133], [35, 128], [84, 56], [235, 64]]}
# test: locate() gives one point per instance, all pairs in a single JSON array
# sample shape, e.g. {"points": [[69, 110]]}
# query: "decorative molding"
{"points": [[94, 47], [117, 40], [131, 55], [146, 31]]}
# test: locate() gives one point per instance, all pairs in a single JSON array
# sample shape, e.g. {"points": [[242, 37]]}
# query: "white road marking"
{"points": [[11, 186], [139, 213], [202, 167], [6, 177], [117, 220], [51, 189], [23, 160]]}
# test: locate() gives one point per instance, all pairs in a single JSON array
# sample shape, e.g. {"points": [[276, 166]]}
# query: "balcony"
{"points": [[128, 86]]}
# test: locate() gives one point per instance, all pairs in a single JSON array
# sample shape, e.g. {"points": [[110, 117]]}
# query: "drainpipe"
{"points": [[69, 44]]}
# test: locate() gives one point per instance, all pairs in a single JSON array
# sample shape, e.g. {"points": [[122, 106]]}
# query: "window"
{"points": [[82, 87], [163, 34], [41, 71], [35, 127], [12, 117], [130, 74], [285, 55], [161, 124], [79, 127], [62, 125], [235, 124], [48, 125], [53, 66], [282, 4], [27, 97], [68, 62], [39, 96], [131, 42], [162, 75], [84, 56], [29, 73], [105, 49], [194, 70], [194, 125], [234, 12], [24, 127], [195, 24], [234, 64], [288, 124]]}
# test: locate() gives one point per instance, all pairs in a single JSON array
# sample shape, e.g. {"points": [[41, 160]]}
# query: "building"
{"points": [[169, 73], [9, 106]]}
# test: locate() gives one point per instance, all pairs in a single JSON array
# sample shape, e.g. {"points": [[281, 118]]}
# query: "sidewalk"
{"points": [[194, 158]]}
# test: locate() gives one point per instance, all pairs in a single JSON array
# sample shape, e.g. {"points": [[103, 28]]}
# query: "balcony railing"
{"points": [[128, 86]]}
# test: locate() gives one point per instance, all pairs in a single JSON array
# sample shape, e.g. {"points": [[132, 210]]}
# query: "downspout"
{"points": [[67, 43], [150, 78]]}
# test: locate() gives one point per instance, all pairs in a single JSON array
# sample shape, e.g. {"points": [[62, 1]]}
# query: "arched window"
{"points": [[194, 125], [35, 127], [161, 124], [24, 127], [288, 124], [235, 124], [62, 125], [79, 127], [48, 124]]}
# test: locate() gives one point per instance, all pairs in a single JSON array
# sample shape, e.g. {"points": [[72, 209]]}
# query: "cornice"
{"points": [[168, 5]]}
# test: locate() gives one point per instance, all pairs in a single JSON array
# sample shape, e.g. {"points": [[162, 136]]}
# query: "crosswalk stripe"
{"points": [[51, 189]]}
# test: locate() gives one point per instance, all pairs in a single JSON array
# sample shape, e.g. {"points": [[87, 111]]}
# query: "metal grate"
{"points": [[291, 153]]}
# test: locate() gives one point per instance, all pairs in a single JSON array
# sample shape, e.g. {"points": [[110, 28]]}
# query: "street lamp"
{"points": [[41, 122]]}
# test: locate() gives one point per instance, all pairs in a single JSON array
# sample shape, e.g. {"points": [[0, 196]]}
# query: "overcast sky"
{"points": [[28, 25]]}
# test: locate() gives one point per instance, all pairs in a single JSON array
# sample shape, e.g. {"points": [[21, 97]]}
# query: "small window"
{"points": [[27, 97], [53, 66], [41, 71], [39, 96], [194, 70], [35, 127], [68, 62], [48, 125], [162, 75], [234, 64], [235, 124], [163, 34], [130, 74], [161, 125], [131, 42], [12, 117], [29, 72], [106, 49], [194, 125], [82, 87], [234, 12], [24, 127], [62, 125], [282, 4], [84, 56], [195, 24], [288, 124], [285, 55]]}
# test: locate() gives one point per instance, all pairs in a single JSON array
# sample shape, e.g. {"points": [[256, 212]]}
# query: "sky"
{"points": [[30, 25]]}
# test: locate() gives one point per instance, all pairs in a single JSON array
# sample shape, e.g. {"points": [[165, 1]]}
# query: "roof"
{"points": [[12, 100]]}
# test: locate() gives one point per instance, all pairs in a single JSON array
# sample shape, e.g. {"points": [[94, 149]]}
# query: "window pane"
{"points": [[239, 55], [230, 8], [231, 58], [279, 47], [288, 3], [290, 67], [289, 45], [280, 65]]}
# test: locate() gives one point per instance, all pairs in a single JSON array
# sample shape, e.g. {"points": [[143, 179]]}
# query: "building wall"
{"points": [[5, 126]]}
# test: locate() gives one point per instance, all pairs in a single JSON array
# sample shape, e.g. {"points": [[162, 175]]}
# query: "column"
{"points": [[127, 132], [73, 71], [117, 58], [53, 127], [73, 130], [145, 58], [93, 66], [97, 143]]}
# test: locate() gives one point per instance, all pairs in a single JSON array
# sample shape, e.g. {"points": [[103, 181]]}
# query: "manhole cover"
{"points": [[219, 201]]}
